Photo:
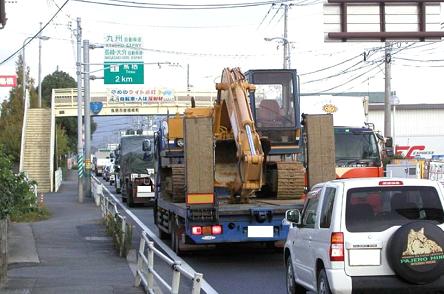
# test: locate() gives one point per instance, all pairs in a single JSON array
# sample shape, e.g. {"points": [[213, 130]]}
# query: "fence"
{"points": [[145, 269], [116, 223], [145, 273], [58, 179]]}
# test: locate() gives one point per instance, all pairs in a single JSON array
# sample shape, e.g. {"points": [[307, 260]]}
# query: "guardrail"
{"points": [[116, 223], [145, 269], [145, 273]]}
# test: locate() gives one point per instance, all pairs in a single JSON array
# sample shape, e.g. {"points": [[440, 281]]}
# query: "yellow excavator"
{"points": [[255, 135]]}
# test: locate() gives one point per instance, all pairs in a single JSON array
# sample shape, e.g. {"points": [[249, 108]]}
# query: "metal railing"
{"points": [[122, 230], [58, 179], [146, 273]]}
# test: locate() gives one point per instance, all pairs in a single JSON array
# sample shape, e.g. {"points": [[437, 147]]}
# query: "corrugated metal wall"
{"points": [[420, 122]]}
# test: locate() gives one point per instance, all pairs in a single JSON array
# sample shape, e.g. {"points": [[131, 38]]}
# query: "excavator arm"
{"points": [[233, 120]]}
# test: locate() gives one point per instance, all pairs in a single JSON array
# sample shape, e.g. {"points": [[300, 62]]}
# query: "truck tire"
{"points": [[292, 286], [130, 196], [415, 252], [175, 239]]}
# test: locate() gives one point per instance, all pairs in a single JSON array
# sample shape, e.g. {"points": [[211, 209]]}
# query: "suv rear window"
{"points": [[375, 209]]}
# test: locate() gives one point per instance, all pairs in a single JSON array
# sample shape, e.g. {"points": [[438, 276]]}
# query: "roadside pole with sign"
{"points": [[123, 61]]}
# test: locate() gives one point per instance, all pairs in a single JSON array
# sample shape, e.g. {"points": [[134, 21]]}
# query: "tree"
{"points": [[11, 119], [56, 80]]}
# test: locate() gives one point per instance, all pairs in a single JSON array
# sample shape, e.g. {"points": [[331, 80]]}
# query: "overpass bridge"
{"points": [[38, 134]]}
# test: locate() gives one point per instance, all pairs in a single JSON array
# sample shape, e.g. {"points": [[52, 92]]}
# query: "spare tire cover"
{"points": [[416, 252]]}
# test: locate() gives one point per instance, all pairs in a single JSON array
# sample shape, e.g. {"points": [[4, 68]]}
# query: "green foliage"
{"points": [[15, 190], [62, 145], [11, 119], [31, 216], [57, 80]]}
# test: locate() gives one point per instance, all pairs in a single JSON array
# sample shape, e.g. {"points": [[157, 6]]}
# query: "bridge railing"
{"points": [[67, 98]]}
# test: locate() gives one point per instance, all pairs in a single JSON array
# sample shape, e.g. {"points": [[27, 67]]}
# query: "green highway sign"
{"points": [[124, 73]]}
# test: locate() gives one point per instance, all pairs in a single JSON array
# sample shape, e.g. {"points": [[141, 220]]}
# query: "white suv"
{"points": [[378, 235]]}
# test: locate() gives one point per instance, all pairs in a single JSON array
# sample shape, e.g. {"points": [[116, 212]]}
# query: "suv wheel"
{"points": [[292, 286], [323, 286]]}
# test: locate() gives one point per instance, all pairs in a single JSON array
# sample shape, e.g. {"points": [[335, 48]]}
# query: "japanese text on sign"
{"points": [[141, 95], [123, 47], [8, 81]]}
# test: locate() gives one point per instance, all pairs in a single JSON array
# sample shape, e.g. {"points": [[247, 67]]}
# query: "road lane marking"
{"points": [[205, 286]]}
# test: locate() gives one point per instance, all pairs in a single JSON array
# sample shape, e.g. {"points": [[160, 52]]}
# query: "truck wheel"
{"points": [[323, 286], [162, 235], [175, 240], [292, 286], [129, 194]]}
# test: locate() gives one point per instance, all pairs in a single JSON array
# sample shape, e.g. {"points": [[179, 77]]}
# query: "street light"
{"points": [[394, 100], [44, 38], [287, 60], [24, 80]]}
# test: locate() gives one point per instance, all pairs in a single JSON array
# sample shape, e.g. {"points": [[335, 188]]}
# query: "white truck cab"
{"points": [[377, 235]]}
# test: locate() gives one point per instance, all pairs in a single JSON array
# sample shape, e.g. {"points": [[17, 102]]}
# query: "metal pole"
{"points": [[188, 80], [87, 117], [286, 57], [387, 109], [39, 101], [79, 111], [394, 127], [24, 81]]}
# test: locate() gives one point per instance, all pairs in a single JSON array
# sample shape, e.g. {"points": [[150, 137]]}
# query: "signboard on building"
{"points": [[123, 60], [141, 96], [8, 81]]}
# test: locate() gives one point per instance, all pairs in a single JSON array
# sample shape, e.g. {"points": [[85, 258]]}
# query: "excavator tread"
{"points": [[291, 180]]}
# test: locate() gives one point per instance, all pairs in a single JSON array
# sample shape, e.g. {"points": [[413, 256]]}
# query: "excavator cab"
{"points": [[275, 107]]}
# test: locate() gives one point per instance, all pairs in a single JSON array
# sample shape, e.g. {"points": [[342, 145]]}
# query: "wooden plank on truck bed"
{"points": [[199, 155], [320, 148]]}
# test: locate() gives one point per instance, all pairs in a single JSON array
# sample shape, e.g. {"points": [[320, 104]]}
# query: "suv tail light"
{"points": [[337, 246]]}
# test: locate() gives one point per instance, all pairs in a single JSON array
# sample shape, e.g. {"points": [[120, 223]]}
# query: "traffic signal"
{"points": [[2, 14]]}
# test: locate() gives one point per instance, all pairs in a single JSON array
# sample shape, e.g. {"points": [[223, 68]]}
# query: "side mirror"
{"points": [[146, 145], [293, 216]]}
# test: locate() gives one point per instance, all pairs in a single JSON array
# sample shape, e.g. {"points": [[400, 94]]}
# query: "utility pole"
{"points": [[39, 104], [388, 76], [286, 43], [188, 80], [86, 86], [79, 112]]}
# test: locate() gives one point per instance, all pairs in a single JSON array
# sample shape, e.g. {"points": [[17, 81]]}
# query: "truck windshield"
{"points": [[132, 157], [356, 147], [274, 99], [375, 209]]}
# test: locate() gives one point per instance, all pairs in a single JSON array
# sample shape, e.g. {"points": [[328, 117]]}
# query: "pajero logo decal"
{"points": [[329, 108], [420, 250]]}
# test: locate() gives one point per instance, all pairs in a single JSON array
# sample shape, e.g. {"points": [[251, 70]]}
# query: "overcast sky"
{"points": [[209, 40]]}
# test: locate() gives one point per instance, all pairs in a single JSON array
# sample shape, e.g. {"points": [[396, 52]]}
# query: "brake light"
{"points": [[196, 230], [337, 246], [391, 183], [216, 230]]}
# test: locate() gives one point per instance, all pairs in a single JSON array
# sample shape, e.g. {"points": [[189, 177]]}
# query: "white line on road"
{"points": [[205, 286]]}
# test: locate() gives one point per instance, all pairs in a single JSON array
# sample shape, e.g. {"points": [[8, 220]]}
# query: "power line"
{"points": [[349, 80], [263, 19], [168, 6], [345, 71], [331, 66], [35, 35]]}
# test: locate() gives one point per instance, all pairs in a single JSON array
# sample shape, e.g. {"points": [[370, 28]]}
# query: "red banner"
{"points": [[8, 81]]}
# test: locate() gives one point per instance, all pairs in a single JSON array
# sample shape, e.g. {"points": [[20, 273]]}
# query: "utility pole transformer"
{"points": [[86, 85], [79, 112]]}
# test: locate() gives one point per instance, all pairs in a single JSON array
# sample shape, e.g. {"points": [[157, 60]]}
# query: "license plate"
{"points": [[144, 192], [260, 231], [364, 257]]}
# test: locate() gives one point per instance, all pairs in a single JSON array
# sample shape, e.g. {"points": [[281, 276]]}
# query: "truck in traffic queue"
{"points": [[100, 160], [360, 149], [136, 167], [219, 182]]}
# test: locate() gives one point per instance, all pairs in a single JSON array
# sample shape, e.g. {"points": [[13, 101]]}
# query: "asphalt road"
{"points": [[230, 269]]}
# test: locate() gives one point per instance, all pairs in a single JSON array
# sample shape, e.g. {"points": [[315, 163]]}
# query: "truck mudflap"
{"points": [[232, 231]]}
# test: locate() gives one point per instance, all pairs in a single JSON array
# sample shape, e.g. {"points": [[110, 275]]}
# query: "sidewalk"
{"points": [[69, 253]]}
